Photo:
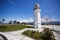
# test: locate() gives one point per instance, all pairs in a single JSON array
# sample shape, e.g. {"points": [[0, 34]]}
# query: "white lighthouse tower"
{"points": [[37, 17]]}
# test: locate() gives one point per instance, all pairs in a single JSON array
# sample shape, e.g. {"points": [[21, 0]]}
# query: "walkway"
{"points": [[16, 35]]}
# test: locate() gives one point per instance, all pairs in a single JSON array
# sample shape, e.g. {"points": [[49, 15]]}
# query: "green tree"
{"points": [[0, 22], [18, 22], [10, 22]]}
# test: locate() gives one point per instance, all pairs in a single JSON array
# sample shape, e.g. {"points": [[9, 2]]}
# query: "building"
{"points": [[37, 17]]}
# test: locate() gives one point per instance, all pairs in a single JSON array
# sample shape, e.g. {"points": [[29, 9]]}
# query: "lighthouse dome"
{"points": [[36, 6]]}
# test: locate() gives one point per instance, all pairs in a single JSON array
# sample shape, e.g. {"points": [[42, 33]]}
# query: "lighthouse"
{"points": [[37, 17]]}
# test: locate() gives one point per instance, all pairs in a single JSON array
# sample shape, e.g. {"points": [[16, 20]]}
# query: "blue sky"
{"points": [[23, 9]]}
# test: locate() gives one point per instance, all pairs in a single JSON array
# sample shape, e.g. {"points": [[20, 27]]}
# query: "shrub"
{"points": [[46, 34]]}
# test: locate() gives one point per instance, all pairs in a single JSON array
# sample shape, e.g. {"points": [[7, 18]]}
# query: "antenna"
{"points": [[48, 17], [35, 1]]}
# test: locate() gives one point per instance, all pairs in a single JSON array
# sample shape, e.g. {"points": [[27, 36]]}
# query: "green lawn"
{"points": [[5, 28]]}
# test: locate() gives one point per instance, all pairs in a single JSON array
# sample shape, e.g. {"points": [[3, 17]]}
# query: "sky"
{"points": [[22, 10]]}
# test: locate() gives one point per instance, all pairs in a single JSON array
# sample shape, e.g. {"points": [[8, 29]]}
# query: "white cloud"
{"points": [[21, 20], [27, 20], [55, 19], [32, 20]]}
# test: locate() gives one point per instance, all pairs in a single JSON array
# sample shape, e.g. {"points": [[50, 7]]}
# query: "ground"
{"points": [[17, 35]]}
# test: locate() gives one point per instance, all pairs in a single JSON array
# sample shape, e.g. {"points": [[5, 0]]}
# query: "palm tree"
{"points": [[15, 22], [0, 22], [3, 21]]}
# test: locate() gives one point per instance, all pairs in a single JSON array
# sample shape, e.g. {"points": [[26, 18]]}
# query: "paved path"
{"points": [[16, 35]]}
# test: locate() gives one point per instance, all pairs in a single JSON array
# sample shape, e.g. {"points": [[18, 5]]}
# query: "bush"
{"points": [[46, 34], [28, 33], [29, 27]]}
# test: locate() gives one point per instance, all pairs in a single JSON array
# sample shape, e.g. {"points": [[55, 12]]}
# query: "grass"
{"points": [[5, 28], [32, 34], [46, 34]]}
